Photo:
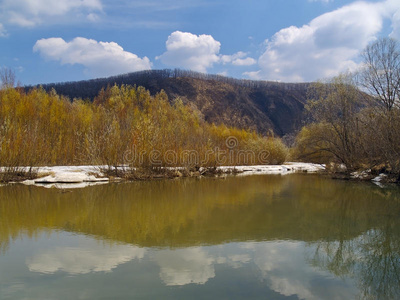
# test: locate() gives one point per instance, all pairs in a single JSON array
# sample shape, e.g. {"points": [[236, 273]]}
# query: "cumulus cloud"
{"points": [[248, 61], [238, 59], [99, 58], [190, 51], [198, 52], [329, 44], [28, 13]]}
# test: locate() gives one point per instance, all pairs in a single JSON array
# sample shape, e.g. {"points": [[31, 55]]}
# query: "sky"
{"points": [[47, 41]]}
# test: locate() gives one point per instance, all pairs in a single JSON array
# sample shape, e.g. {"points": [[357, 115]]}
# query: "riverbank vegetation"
{"points": [[352, 124], [354, 119], [124, 125]]}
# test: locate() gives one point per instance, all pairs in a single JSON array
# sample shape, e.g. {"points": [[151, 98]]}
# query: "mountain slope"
{"points": [[258, 105]]}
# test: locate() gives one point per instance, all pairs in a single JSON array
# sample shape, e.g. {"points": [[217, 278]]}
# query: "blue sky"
{"points": [[285, 40]]}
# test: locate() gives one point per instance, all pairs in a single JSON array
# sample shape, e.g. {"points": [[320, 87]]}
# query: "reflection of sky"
{"points": [[279, 266], [84, 259], [284, 267], [184, 266]]}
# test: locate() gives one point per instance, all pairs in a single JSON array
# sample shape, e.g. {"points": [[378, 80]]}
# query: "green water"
{"points": [[256, 237]]}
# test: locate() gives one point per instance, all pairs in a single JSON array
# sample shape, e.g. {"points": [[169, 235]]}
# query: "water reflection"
{"points": [[83, 259], [269, 268], [184, 266], [373, 258], [277, 236]]}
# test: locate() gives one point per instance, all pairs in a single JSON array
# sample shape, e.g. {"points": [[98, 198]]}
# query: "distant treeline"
{"points": [[88, 89], [124, 125]]}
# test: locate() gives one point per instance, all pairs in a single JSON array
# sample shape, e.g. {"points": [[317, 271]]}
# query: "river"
{"points": [[255, 237]]}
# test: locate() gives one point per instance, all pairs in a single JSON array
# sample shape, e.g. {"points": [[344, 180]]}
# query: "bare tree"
{"points": [[381, 76], [381, 72], [333, 107], [7, 78]]}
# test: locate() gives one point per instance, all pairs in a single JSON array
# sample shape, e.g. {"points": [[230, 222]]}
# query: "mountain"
{"points": [[259, 105]]}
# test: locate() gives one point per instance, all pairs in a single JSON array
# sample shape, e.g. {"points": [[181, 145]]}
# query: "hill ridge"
{"points": [[259, 105]]}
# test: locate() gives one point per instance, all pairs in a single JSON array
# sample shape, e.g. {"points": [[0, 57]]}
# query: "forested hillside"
{"points": [[127, 126], [258, 105]]}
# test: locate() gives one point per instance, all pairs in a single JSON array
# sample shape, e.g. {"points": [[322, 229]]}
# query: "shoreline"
{"points": [[72, 177]]}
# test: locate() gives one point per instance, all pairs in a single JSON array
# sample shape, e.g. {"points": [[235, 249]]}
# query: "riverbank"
{"points": [[81, 176]]}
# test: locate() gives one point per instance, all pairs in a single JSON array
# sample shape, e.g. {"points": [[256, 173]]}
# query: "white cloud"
{"points": [[3, 32], [92, 17], [99, 58], [329, 44], [198, 52], [391, 9], [229, 58], [238, 59], [190, 51], [28, 13], [248, 61]]}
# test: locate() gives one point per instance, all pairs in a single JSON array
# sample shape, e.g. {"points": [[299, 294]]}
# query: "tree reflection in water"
{"points": [[354, 227], [372, 258]]}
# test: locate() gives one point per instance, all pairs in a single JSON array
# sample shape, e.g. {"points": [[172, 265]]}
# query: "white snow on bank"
{"points": [[361, 174], [68, 177], [81, 176], [59, 185], [287, 168], [379, 178]]}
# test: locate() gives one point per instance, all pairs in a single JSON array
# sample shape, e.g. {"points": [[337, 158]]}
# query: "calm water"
{"points": [[258, 237]]}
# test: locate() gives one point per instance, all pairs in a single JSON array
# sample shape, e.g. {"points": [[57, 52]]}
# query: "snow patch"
{"points": [[361, 174], [379, 178], [68, 177], [288, 168], [82, 176]]}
